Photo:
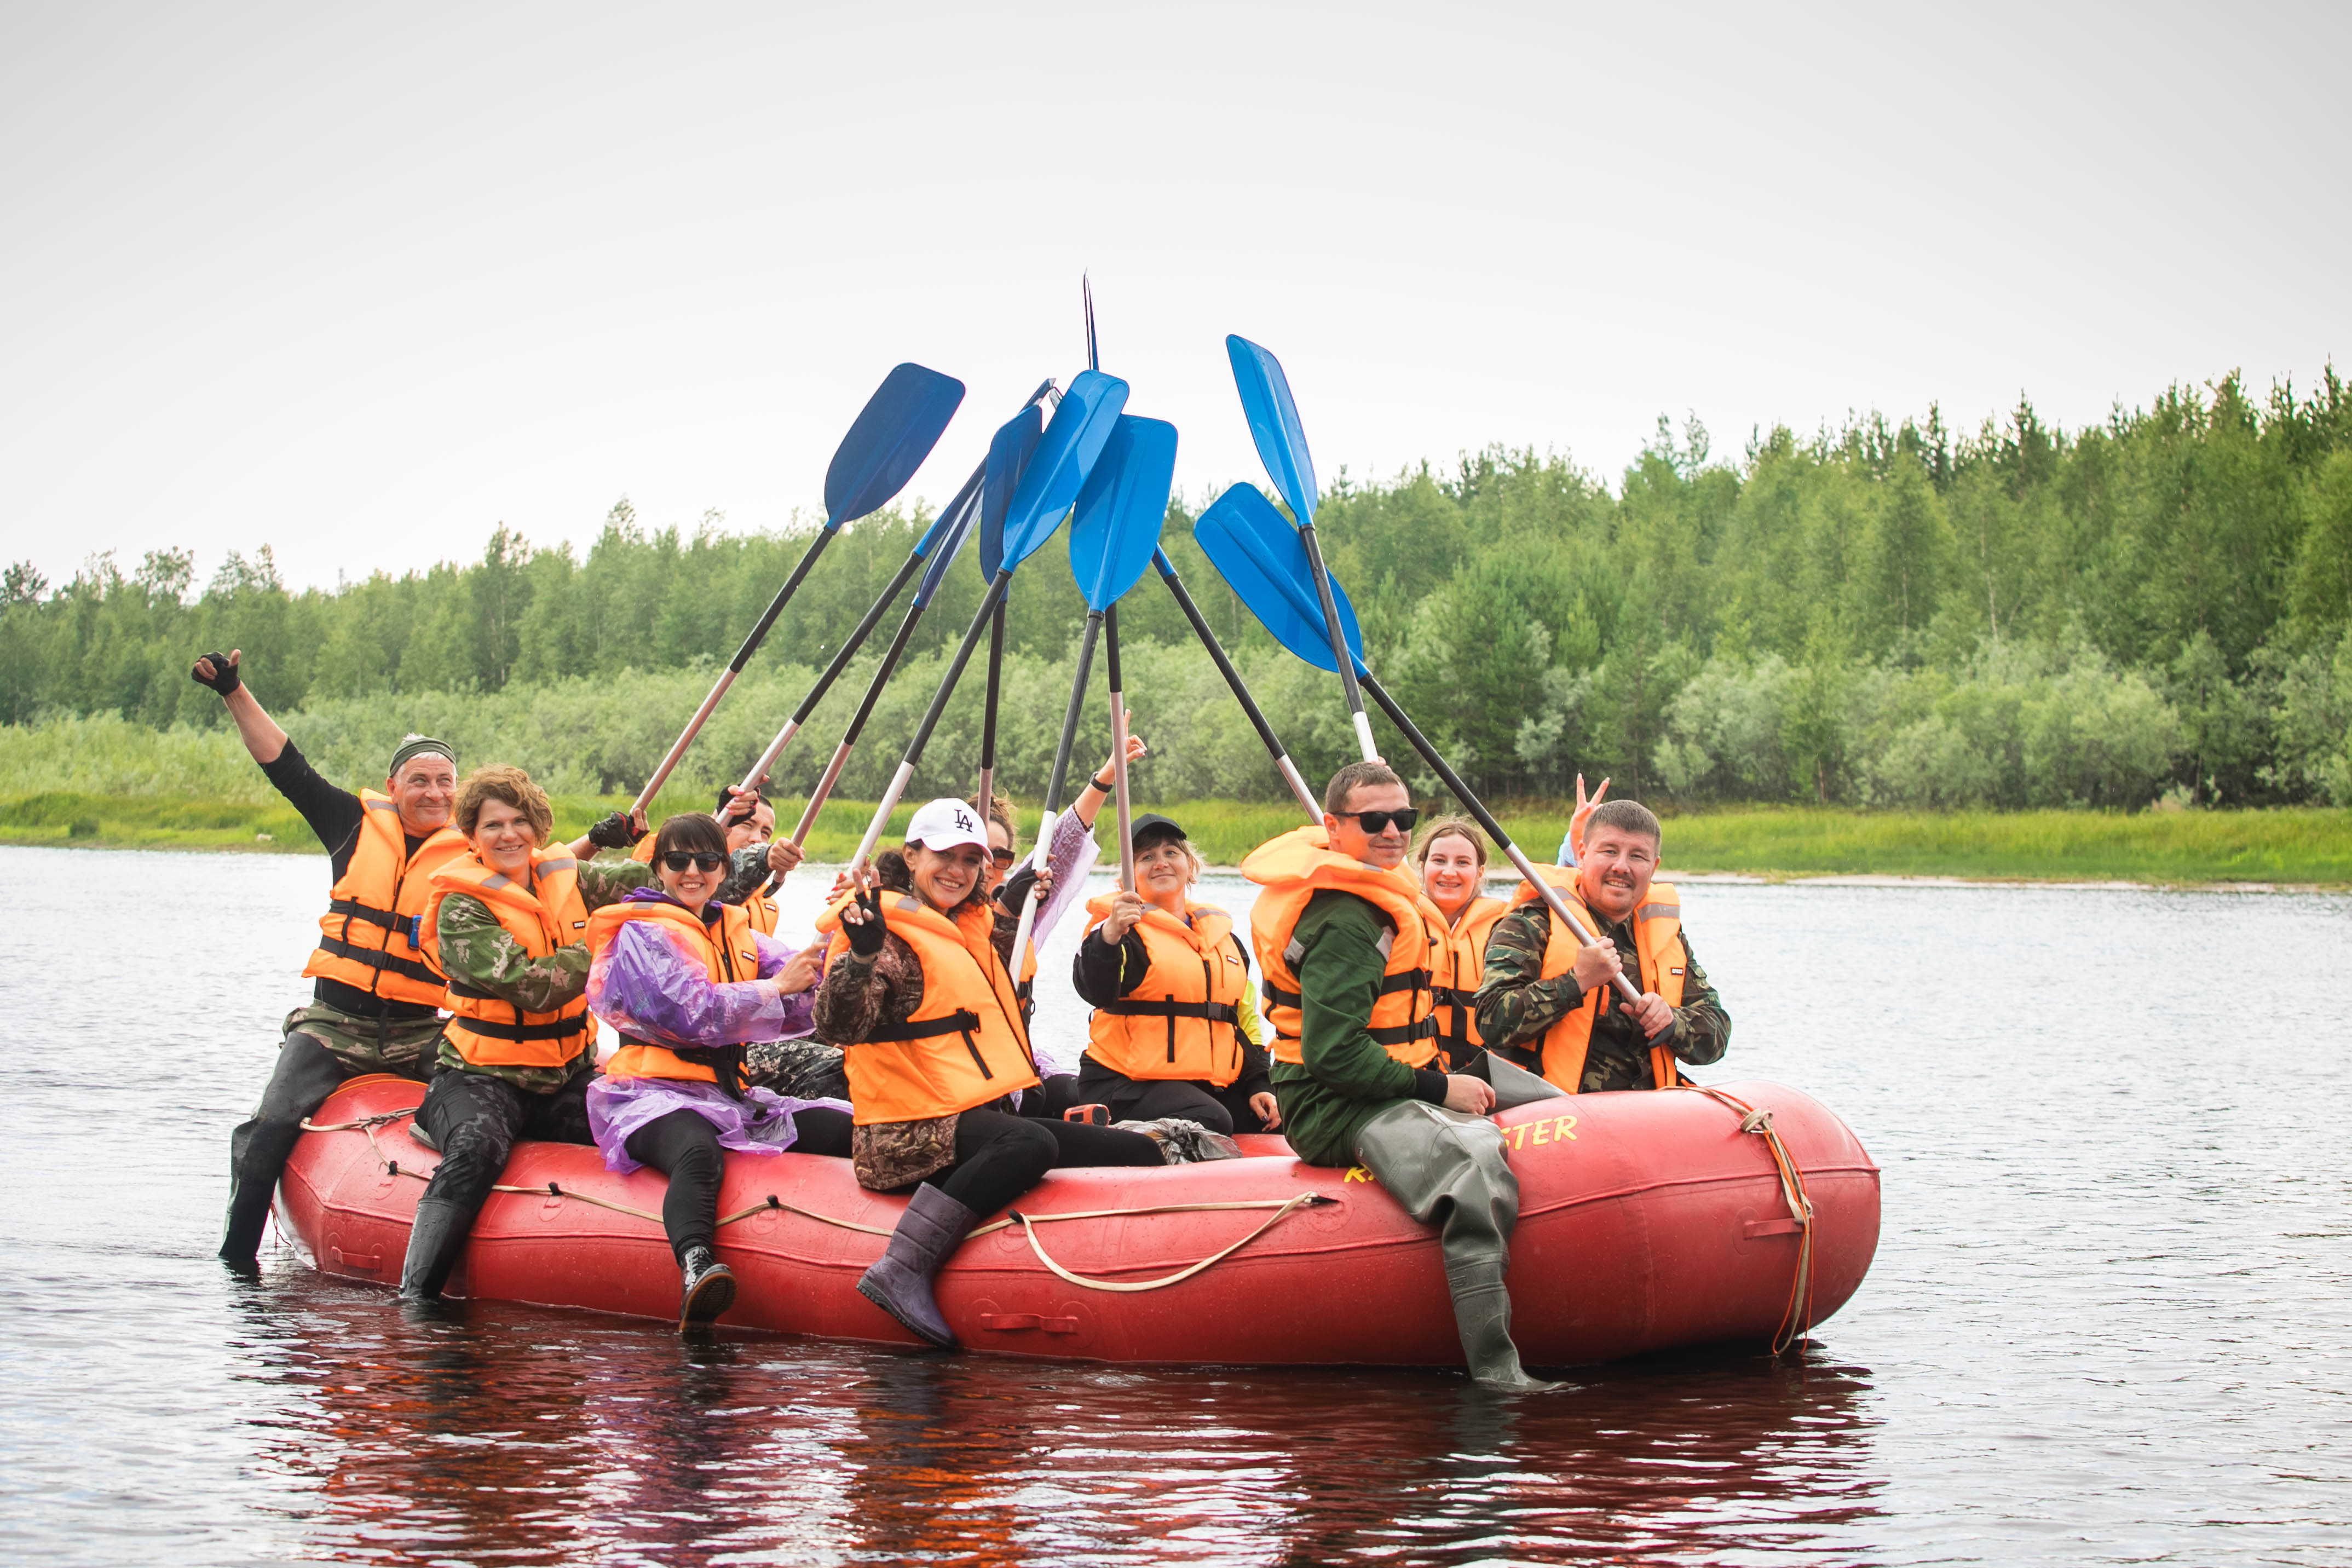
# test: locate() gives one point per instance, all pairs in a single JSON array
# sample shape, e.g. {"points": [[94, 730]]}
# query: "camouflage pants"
{"points": [[323, 1047], [801, 1070]]}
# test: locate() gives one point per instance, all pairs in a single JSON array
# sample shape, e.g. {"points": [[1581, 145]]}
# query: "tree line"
{"points": [[1886, 613]]}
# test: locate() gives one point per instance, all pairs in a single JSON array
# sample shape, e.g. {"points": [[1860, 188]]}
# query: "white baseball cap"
{"points": [[946, 823]]}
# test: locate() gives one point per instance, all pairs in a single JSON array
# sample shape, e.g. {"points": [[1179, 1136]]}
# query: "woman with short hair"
{"points": [[506, 923], [1173, 1033], [686, 982]]}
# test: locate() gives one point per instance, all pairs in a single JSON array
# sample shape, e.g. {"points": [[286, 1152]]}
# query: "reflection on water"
{"points": [[2107, 1321], [518, 1435]]}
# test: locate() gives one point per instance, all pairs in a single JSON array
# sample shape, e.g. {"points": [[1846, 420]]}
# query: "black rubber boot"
{"points": [[435, 1242], [248, 1216], [900, 1280], [707, 1288]]}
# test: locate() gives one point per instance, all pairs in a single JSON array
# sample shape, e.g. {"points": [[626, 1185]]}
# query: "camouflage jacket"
{"points": [[1516, 1006], [478, 950]]}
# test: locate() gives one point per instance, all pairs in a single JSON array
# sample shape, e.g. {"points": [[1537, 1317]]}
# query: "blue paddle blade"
{"points": [[1009, 451], [1066, 454], [1115, 531], [896, 431], [1274, 426], [946, 540], [1263, 559]]}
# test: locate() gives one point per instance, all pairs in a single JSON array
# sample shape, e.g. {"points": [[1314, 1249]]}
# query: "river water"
{"points": [[2110, 1320]]}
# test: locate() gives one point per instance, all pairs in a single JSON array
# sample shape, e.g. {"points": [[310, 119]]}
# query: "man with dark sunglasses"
{"points": [[1352, 952]]}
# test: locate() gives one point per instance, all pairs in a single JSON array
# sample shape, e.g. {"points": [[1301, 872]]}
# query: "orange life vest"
{"points": [[1292, 869], [544, 914], [1181, 1022], [1457, 1010], [966, 1044], [724, 949], [1657, 942], [368, 937]]}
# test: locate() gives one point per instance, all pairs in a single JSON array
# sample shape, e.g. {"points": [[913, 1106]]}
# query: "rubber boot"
{"points": [[706, 1288], [248, 1216], [436, 1241], [1447, 1169], [900, 1280], [1482, 1315]]}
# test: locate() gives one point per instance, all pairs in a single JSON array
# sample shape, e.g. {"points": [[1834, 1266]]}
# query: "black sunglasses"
{"points": [[702, 860], [1002, 857], [1376, 823]]}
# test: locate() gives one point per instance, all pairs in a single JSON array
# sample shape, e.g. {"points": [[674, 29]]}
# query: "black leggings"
{"points": [[684, 1147], [475, 1120], [1223, 1110], [1000, 1157]]}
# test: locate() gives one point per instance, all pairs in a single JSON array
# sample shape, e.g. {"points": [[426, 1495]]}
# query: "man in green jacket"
{"points": [[1345, 940]]}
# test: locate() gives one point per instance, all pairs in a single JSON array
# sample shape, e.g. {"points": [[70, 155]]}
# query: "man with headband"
{"points": [[376, 1006]]}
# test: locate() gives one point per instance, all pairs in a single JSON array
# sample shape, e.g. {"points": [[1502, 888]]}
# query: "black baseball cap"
{"points": [[1151, 824]]}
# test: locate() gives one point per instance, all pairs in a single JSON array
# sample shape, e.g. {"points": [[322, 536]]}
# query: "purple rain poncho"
{"points": [[648, 989]]}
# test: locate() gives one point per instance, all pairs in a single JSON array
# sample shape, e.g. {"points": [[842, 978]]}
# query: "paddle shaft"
{"points": [[988, 715], [1561, 910], [734, 667], [1118, 748], [1282, 762], [1347, 666], [857, 721], [1055, 784], [931, 718]]}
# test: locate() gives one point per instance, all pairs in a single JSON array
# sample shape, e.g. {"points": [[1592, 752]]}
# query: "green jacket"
{"points": [[478, 951], [1348, 1077]]}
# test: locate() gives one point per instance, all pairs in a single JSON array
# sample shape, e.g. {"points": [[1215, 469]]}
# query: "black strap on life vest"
{"points": [[1215, 1012], [376, 958], [1405, 1034], [562, 1029], [963, 1021], [352, 908], [1404, 980], [1275, 996], [725, 1062]]}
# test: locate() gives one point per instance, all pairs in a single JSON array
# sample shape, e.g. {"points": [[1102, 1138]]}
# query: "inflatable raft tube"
{"points": [[1647, 1220]]}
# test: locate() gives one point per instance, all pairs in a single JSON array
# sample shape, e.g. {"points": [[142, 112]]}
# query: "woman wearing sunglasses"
{"points": [[1172, 1033], [686, 982], [920, 1000]]}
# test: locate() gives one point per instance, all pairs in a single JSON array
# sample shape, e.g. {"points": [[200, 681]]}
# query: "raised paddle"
{"points": [[1113, 535], [1066, 453], [1263, 560], [1282, 762], [1281, 441], [893, 434], [1007, 450]]}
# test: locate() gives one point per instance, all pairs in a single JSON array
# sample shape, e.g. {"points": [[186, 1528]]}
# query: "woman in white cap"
{"points": [[918, 994], [1173, 1032]]}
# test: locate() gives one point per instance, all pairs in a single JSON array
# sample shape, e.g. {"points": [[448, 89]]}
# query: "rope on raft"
{"points": [[1283, 1208], [1797, 1317]]}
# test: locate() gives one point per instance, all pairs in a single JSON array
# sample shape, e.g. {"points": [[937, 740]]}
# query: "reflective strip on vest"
{"points": [[1657, 933], [370, 938]]}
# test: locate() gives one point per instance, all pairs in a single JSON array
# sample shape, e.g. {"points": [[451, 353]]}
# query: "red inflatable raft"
{"points": [[1646, 1220]]}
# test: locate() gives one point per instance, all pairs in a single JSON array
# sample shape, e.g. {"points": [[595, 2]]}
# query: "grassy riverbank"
{"points": [[2296, 846]]}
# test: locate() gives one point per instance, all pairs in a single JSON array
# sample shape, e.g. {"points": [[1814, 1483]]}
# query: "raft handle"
{"points": [[1007, 1322]]}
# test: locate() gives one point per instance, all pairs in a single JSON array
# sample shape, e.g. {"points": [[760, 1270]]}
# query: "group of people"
{"points": [[1362, 1015]]}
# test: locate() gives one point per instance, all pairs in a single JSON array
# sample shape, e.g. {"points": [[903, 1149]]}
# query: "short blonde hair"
{"points": [[1195, 868], [501, 782]]}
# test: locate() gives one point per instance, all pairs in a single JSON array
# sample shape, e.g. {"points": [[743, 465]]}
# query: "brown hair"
{"points": [[1355, 776], [690, 830], [1625, 816], [1449, 827], [999, 811], [511, 785]]}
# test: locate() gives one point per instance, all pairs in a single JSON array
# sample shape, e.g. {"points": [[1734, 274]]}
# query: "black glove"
{"points": [[614, 830], [224, 678], [1014, 891], [865, 936]]}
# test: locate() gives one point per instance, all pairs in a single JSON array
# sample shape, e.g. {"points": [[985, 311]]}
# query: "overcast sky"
{"points": [[362, 282]]}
